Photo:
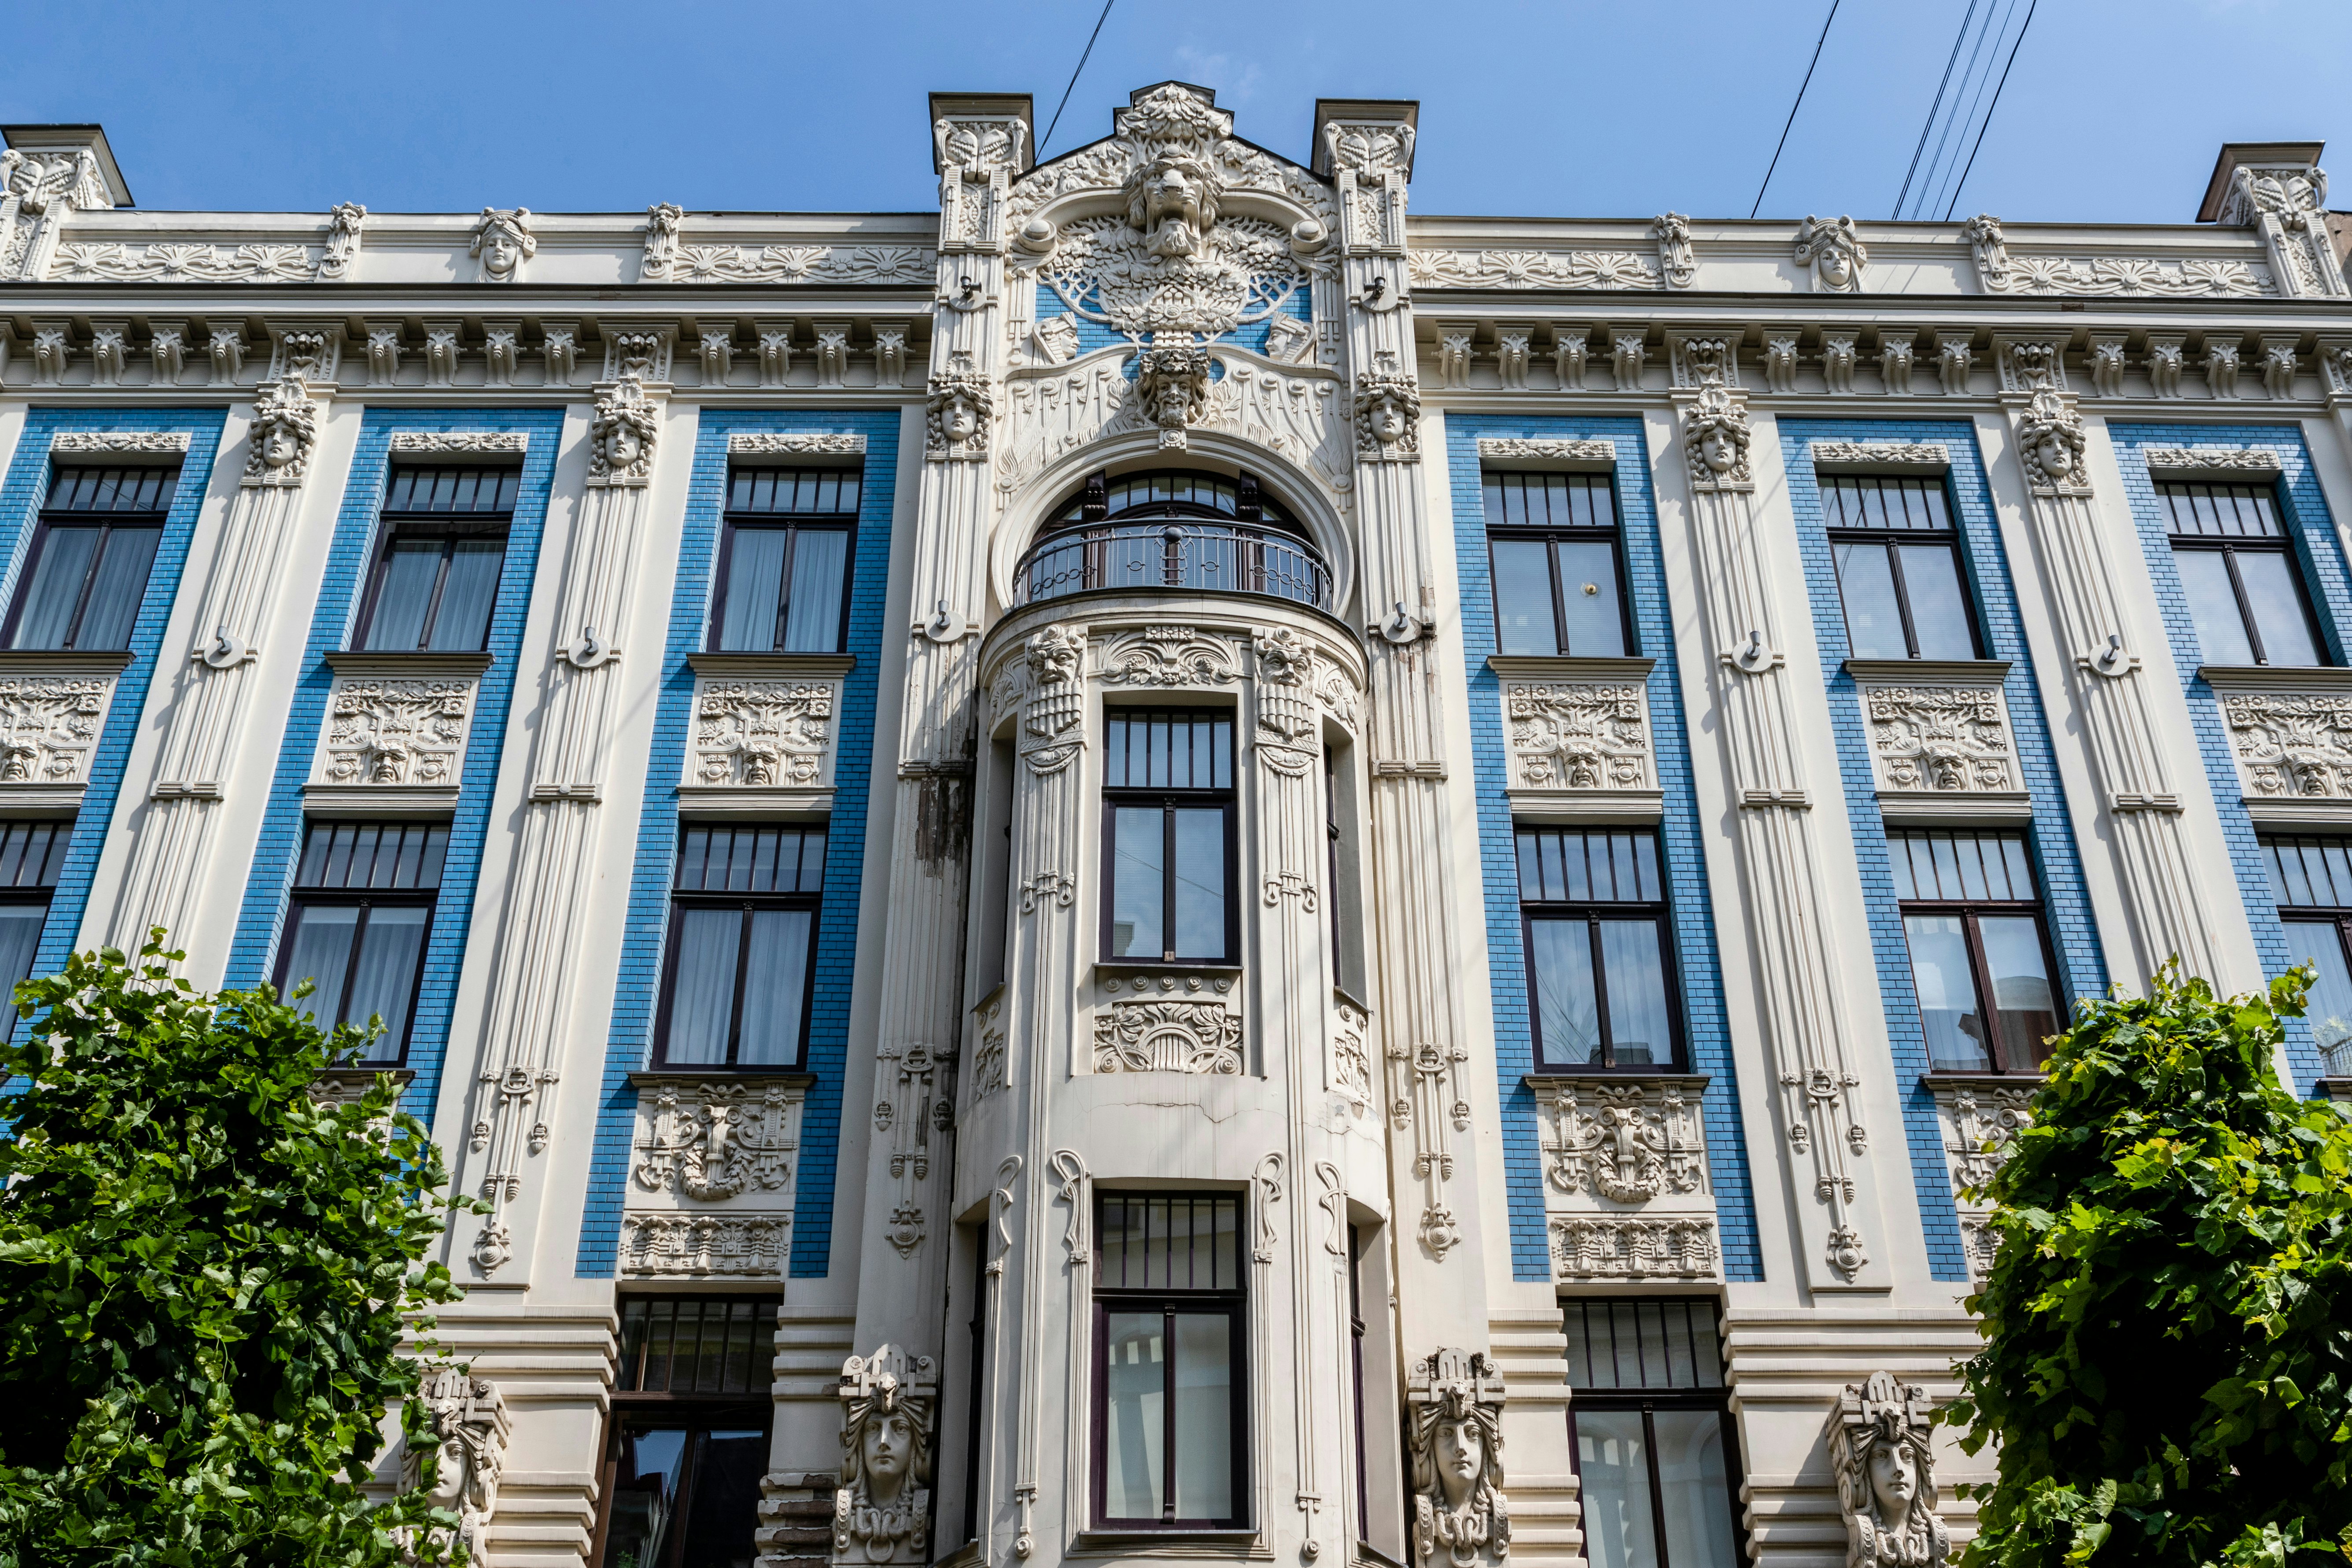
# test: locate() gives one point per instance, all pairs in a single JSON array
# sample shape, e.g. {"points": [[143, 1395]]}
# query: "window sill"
{"points": [[387, 661], [657, 1076], [1568, 666], [771, 802], [1934, 1081], [1560, 1078], [394, 802], [2336, 1088], [1213, 1545], [1971, 671], [1586, 807], [773, 665], [64, 661], [1955, 807], [2276, 676], [1202, 980]]}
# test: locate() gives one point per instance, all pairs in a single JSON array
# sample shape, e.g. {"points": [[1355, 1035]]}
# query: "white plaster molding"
{"points": [[392, 724], [53, 709], [644, 353], [1156, 1036], [98, 262], [766, 734], [1577, 735], [2291, 738], [2106, 360], [1532, 269], [447, 443], [2242, 463], [788, 264], [1633, 1247], [1623, 1140], [694, 1246], [2000, 272], [889, 1404], [1839, 356], [1549, 455], [1831, 251], [122, 443], [1460, 1519], [793, 443], [503, 241], [1940, 737], [701, 1142], [1977, 1119], [1165, 657], [1915, 458]]}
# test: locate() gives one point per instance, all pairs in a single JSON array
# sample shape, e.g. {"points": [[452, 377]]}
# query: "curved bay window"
{"points": [[1173, 530], [1980, 957], [783, 565], [1167, 819], [742, 926], [2311, 879], [1592, 906], [445, 546], [1559, 566], [2245, 589], [1898, 568], [86, 573]]}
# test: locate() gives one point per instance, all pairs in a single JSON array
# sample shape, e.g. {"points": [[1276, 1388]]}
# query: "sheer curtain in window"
{"points": [[813, 619], [755, 577], [704, 997]]}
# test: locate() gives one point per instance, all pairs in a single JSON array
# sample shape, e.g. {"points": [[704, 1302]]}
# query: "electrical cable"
{"points": [[1994, 33], [1989, 113], [1039, 152], [1958, 39], [1937, 169], [1794, 106]]}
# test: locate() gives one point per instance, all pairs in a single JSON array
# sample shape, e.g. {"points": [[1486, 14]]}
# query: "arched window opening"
{"points": [[1172, 530]]}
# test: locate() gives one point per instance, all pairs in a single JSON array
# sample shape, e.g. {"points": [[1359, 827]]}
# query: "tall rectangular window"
{"points": [[784, 561], [444, 545], [1170, 1400], [688, 1437], [1898, 568], [2245, 589], [742, 927], [364, 897], [86, 573], [30, 855], [1980, 957], [1650, 1426], [2311, 877], [1559, 565], [1167, 810], [1593, 907]]}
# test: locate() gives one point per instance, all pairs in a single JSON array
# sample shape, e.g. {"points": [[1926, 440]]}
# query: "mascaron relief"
{"points": [[763, 734], [881, 1511], [397, 731], [2291, 744], [1881, 1447], [1570, 734], [1626, 1143], [706, 1140], [49, 725], [1453, 1402], [466, 1418], [1941, 739]]}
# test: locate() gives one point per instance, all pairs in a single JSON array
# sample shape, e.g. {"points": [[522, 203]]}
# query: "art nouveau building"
{"points": [[1173, 864]]}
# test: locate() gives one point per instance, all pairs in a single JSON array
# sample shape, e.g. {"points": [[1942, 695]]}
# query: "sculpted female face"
{"points": [[1388, 421], [282, 445], [889, 1450], [1894, 1481], [448, 1488], [1835, 267], [1718, 452], [501, 254], [622, 444], [2057, 458], [1460, 1451], [959, 421]]}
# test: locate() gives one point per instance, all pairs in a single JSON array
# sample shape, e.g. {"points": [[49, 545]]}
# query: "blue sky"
{"points": [[2114, 111]]}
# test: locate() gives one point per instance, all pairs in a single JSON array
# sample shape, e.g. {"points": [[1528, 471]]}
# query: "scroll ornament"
{"points": [[881, 1511], [1455, 1425]]}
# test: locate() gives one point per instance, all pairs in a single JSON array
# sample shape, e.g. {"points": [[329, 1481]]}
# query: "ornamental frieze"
{"points": [[1608, 1247], [49, 725], [773, 734], [395, 730], [1532, 269], [1161, 1036], [1626, 1143], [1940, 740], [695, 1245], [2199, 277], [706, 1140], [1569, 734], [2291, 744]]}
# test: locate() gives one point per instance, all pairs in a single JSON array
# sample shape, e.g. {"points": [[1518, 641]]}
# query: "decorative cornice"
{"points": [[768, 443], [1532, 269], [145, 441], [453, 441], [2227, 462], [1585, 456], [1877, 457]]}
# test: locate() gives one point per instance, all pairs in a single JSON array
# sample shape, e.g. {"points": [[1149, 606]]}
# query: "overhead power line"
{"points": [[1953, 59], [1794, 106], [1040, 150], [1989, 113]]}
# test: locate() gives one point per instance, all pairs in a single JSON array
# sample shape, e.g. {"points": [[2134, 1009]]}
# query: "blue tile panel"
{"points": [[20, 501], [1708, 1030], [2065, 901], [2305, 514], [1093, 335], [638, 994], [253, 954]]}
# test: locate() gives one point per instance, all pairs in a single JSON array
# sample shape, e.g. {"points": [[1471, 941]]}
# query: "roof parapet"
{"points": [[70, 139]]}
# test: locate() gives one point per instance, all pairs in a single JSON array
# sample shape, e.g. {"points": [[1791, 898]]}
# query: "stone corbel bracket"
{"points": [[396, 732], [53, 709], [1577, 734], [1942, 749], [766, 729], [2290, 732]]}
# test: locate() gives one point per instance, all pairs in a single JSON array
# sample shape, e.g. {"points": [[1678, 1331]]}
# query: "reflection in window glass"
{"points": [[644, 1497], [1205, 1416], [1620, 1531], [2328, 1008], [1592, 912], [1692, 1485], [1948, 996]]}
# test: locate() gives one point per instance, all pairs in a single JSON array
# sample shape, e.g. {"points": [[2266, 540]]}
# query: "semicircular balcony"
{"points": [[1173, 530]]}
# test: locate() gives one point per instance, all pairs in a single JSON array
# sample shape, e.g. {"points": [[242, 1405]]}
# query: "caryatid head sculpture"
{"points": [[1456, 1429], [880, 1511], [621, 435], [467, 1418], [1886, 1476], [285, 426]]}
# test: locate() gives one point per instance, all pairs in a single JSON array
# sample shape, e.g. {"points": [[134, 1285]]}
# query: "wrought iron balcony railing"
{"points": [[1179, 553]]}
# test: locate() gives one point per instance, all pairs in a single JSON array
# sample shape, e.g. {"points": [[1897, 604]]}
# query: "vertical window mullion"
{"points": [[742, 966], [88, 580], [350, 967], [1168, 1415], [1168, 880], [1980, 978], [785, 590], [1600, 988], [2245, 609], [1558, 595], [1901, 597], [440, 582], [1658, 1492]]}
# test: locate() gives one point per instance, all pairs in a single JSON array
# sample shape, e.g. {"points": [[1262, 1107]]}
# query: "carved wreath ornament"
{"points": [[712, 1141]]}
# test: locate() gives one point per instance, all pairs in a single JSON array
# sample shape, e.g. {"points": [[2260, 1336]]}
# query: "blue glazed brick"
{"points": [[833, 970], [1093, 335], [20, 498], [2065, 900], [1687, 899], [253, 953], [2318, 547]]}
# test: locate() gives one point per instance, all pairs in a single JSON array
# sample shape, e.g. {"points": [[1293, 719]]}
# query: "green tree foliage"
{"points": [[205, 1279], [2167, 1322]]}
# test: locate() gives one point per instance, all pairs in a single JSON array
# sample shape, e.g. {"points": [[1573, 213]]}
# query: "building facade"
{"points": [[1173, 864]]}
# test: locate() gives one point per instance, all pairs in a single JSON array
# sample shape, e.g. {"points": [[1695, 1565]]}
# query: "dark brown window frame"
{"points": [[1649, 1401], [1551, 536], [1839, 533], [2228, 545], [1170, 801], [106, 522], [1593, 912], [1979, 976], [791, 525], [306, 896], [397, 525]]}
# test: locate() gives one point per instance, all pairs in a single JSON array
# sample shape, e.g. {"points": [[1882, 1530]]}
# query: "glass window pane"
{"points": [[20, 939], [1200, 873], [1588, 585], [116, 591], [1619, 1529], [1134, 1390], [1567, 1023], [1640, 1033], [2024, 1004], [2272, 593], [2213, 607], [1947, 994], [319, 948], [1137, 856], [384, 983], [2328, 1009], [755, 580], [48, 606], [723, 1509], [645, 1494], [1205, 1416], [702, 998], [775, 986], [1693, 1485], [1939, 610], [403, 594], [813, 624], [462, 624], [1874, 626], [1523, 619]]}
